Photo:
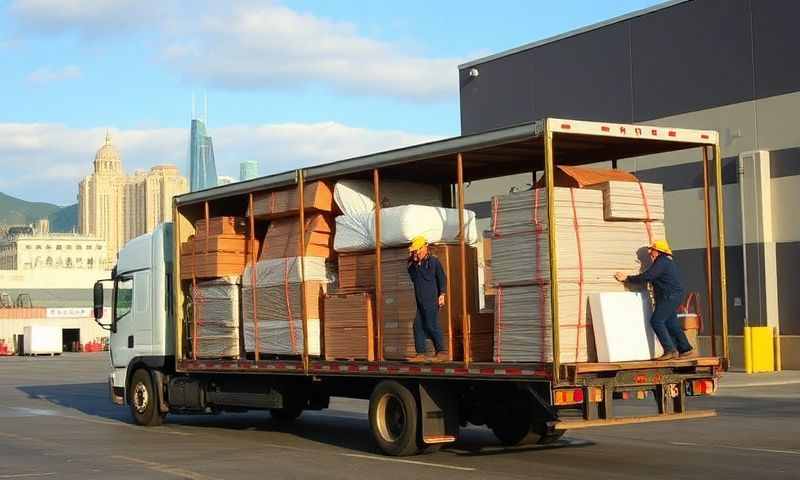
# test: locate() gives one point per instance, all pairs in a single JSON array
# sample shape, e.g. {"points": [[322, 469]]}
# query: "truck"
{"points": [[413, 408]]}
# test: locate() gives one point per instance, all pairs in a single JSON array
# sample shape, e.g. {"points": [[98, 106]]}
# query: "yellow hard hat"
{"points": [[661, 246], [416, 243]]}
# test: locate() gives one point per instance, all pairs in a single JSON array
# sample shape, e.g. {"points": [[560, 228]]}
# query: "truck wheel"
{"points": [[393, 419], [143, 399], [510, 432], [546, 437], [285, 415]]}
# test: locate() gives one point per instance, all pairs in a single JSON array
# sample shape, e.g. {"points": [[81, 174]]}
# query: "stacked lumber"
{"points": [[274, 296], [281, 240], [590, 249], [219, 248], [317, 197], [215, 327], [632, 200], [349, 327]]}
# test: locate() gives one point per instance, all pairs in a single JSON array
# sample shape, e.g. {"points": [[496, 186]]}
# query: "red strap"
{"points": [[648, 218], [538, 272], [576, 226], [495, 216], [289, 304], [498, 325]]}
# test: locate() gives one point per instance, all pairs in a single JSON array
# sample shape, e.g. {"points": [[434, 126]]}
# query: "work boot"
{"points": [[441, 357], [667, 356], [418, 358], [687, 355]]}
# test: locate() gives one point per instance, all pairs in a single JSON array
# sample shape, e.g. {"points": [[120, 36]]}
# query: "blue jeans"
{"points": [[426, 325], [665, 324]]}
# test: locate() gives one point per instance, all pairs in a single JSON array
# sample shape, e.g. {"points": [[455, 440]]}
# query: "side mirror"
{"points": [[98, 304]]}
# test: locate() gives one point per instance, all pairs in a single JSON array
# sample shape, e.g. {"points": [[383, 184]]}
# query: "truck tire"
{"points": [[143, 400], [510, 432], [546, 437], [394, 419]]}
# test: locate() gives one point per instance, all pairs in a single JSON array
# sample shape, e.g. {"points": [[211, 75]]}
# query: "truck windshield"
{"points": [[123, 298]]}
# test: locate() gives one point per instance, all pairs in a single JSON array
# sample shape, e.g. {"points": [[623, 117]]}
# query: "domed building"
{"points": [[118, 207]]}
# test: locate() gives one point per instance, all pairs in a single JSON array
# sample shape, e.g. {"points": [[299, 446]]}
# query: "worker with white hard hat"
{"points": [[430, 287], [668, 292]]}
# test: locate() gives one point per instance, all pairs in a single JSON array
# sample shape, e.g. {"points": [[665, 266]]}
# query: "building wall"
{"points": [[89, 330], [52, 251], [706, 64]]}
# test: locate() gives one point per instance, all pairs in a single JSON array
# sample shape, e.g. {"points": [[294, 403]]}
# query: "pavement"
{"points": [[56, 421]]}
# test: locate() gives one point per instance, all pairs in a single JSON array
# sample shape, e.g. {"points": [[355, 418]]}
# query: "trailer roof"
{"points": [[506, 151]]}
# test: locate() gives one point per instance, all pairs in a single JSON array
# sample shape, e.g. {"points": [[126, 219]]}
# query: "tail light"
{"points": [[705, 386], [570, 396]]}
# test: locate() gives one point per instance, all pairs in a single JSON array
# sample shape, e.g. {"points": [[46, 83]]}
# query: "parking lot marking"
{"points": [[733, 447], [26, 475], [413, 462], [164, 468]]}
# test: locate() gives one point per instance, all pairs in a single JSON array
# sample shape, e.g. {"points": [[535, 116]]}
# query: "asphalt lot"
{"points": [[56, 421]]}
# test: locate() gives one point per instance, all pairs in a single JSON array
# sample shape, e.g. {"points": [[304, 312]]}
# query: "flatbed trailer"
{"points": [[418, 407]]}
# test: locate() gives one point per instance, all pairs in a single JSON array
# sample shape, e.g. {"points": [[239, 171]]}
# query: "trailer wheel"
{"points": [[546, 437], [394, 419], [510, 432], [143, 399]]}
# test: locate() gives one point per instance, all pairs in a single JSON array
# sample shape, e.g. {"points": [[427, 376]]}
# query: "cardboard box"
{"points": [[221, 226], [219, 243], [281, 240], [348, 325], [210, 265], [317, 196]]}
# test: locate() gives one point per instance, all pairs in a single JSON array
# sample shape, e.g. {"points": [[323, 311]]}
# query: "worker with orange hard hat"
{"points": [[430, 287], [668, 292]]}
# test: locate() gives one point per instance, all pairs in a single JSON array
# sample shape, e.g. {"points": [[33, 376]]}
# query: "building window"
{"points": [[58, 247], [90, 262], [68, 263], [38, 247], [69, 247], [78, 247], [47, 247], [49, 261], [99, 247], [27, 247]]}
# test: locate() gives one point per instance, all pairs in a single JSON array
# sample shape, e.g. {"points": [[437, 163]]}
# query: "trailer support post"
{"points": [[723, 283], [301, 208], [465, 320], [549, 165], [252, 247], [376, 186], [709, 252]]}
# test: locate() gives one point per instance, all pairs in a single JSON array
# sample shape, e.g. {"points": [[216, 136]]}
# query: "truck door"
{"points": [[132, 328]]}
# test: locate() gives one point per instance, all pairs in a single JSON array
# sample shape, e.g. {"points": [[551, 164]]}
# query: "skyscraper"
{"points": [[202, 169], [247, 170]]}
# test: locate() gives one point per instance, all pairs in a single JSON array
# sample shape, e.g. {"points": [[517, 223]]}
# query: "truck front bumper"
{"points": [[117, 393]]}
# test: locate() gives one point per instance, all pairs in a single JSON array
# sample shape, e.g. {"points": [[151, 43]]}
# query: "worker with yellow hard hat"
{"points": [[430, 287], [668, 292]]}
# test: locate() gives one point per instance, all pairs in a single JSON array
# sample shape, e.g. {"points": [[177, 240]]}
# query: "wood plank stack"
{"points": [[218, 249], [590, 250], [349, 327], [632, 200], [277, 285], [215, 305], [317, 197], [281, 240]]}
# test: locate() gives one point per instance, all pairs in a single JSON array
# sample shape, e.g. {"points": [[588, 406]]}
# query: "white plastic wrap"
{"points": [[42, 339], [622, 330], [278, 271], [357, 196], [401, 224], [216, 306]]}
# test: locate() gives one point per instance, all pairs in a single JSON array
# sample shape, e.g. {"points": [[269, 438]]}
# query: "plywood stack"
{"points": [[590, 250], [317, 197], [282, 238], [215, 305], [219, 248], [349, 327], [274, 296], [357, 271], [632, 200]]}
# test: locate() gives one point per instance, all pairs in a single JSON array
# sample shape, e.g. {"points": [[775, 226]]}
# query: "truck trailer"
{"points": [[413, 408]]}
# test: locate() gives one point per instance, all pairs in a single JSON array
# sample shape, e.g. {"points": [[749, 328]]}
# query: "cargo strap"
{"points": [[537, 226], [692, 307], [581, 314], [647, 217], [498, 326], [290, 316], [495, 216]]}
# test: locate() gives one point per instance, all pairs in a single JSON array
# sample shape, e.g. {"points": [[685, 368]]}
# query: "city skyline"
{"points": [[270, 83]]}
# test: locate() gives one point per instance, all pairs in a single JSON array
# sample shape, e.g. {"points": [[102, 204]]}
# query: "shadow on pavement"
{"points": [[89, 398]]}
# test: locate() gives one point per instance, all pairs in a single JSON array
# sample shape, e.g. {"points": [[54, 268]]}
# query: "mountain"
{"points": [[15, 211]]}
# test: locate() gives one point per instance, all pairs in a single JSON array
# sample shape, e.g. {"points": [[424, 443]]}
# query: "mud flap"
{"points": [[438, 414], [159, 385]]}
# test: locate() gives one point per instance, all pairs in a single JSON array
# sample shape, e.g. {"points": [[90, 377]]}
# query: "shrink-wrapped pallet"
{"points": [[354, 197], [279, 312], [317, 196], [349, 327], [283, 234], [215, 306], [278, 271]]}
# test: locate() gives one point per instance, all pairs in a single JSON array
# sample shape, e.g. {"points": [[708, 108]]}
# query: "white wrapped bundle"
{"points": [[357, 196], [277, 271], [216, 307], [401, 224], [622, 329]]}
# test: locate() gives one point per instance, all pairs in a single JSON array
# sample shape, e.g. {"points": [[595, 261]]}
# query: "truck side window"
{"points": [[123, 298]]}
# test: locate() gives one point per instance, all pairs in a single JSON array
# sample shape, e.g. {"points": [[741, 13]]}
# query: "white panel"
{"points": [[622, 331]]}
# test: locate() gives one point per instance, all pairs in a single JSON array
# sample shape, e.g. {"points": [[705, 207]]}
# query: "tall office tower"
{"points": [[247, 170], [202, 169]]}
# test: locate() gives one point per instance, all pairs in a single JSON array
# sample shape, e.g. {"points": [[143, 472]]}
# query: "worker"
{"points": [[668, 293], [430, 287]]}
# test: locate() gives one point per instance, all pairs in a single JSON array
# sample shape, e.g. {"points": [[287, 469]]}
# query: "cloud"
{"points": [[249, 45], [46, 75], [45, 162]]}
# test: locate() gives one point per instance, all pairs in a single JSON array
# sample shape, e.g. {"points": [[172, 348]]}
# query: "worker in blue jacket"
{"points": [[430, 287], [668, 292]]}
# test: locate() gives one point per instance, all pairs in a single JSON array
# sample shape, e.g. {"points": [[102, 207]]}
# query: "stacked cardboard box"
{"points": [[274, 296], [349, 329], [219, 248], [357, 270], [215, 327], [590, 250], [281, 240], [317, 196]]}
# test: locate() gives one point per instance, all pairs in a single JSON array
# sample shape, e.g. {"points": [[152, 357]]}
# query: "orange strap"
{"points": [[648, 218], [292, 338], [495, 216], [498, 328], [538, 272], [576, 226], [692, 301]]}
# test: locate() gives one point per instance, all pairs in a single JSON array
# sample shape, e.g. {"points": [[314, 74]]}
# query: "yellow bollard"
{"points": [[748, 351]]}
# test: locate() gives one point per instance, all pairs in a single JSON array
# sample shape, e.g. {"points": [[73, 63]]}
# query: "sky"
{"points": [[288, 83]]}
